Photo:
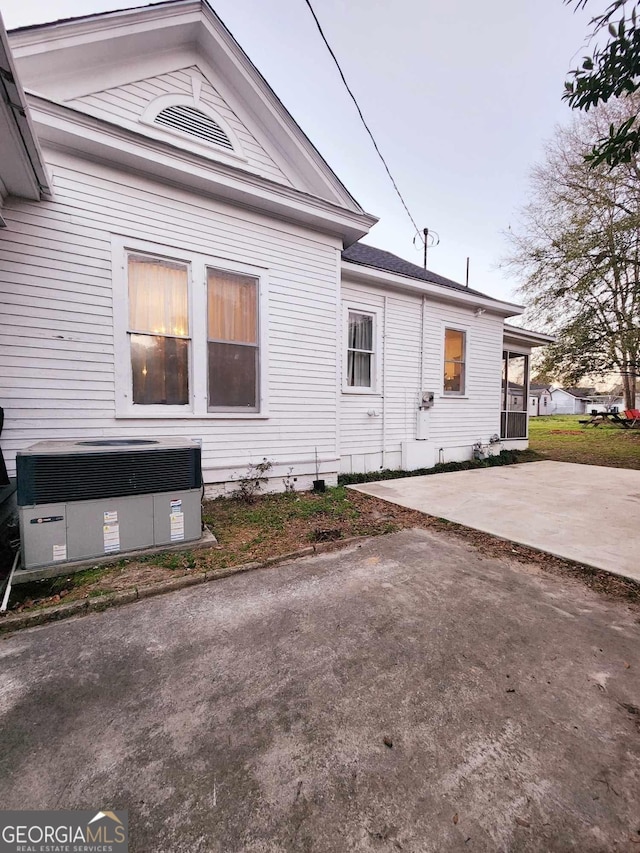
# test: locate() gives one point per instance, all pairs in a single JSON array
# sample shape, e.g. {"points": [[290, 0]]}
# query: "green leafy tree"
{"points": [[577, 254], [612, 71]]}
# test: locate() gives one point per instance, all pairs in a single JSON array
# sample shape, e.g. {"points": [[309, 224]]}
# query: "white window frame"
{"points": [[356, 308], [197, 264], [464, 393]]}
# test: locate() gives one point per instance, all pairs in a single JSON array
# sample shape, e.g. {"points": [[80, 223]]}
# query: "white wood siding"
{"points": [[455, 424], [566, 404], [124, 105], [56, 319]]}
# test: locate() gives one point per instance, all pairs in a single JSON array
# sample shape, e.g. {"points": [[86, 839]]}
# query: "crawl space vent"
{"points": [[195, 123]]}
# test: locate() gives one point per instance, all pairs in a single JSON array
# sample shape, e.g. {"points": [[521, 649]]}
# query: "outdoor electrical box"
{"points": [[94, 498], [426, 399]]}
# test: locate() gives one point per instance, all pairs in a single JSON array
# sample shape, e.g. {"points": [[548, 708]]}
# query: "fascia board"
{"points": [[21, 161], [440, 293], [527, 337], [73, 131], [28, 41]]}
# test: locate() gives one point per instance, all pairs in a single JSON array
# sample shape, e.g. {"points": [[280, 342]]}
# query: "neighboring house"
{"points": [[580, 401], [540, 400], [197, 272], [570, 401]]}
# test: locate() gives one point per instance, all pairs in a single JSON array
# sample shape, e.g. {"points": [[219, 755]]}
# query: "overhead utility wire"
{"points": [[362, 118]]}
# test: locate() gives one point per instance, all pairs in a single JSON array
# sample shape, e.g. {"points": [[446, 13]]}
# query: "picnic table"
{"points": [[598, 418]]}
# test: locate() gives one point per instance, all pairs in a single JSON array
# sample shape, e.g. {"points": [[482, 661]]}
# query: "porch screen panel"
{"points": [[515, 394], [233, 348], [517, 391], [158, 331]]}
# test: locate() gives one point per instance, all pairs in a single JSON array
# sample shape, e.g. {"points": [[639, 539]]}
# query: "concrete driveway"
{"points": [[586, 513], [250, 715]]}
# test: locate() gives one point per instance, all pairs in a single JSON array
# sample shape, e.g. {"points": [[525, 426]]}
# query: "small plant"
{"points": [[251, 483], [289, 482]]}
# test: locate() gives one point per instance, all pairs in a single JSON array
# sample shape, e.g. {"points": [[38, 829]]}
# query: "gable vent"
{"points": [[195, 123]]}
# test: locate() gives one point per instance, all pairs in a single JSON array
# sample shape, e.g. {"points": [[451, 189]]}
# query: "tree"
{"points": [[577, 254], [611, 72]]}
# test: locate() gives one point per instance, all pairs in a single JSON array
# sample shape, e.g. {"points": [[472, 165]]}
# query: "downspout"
{"points": [[384, 381], [422, 324]]}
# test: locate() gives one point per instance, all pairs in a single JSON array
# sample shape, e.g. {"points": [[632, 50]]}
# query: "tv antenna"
{"points": [[429, 240]]}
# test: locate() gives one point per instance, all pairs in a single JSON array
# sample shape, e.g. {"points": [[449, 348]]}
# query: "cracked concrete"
{"points": [[251, 714]]}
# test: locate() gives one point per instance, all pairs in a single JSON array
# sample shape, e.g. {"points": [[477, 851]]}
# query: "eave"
{"points": [[22, 170], [514, 336], [70, 130], [394, 281]]}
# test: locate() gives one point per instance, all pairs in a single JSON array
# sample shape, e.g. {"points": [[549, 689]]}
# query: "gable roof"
{"points": [[536, 389], [115, 47], [370, 256], [578, 393]]}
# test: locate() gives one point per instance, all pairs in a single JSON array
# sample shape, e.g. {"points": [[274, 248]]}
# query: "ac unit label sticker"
{"points": [[176, 518], [59, 552], [111, 532]]}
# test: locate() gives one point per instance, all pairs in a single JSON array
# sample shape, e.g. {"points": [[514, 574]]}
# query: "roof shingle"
{"points": [[370, 256]]}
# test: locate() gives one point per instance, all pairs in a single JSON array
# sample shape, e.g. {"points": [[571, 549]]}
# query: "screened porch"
{"points": [[514, 415]]}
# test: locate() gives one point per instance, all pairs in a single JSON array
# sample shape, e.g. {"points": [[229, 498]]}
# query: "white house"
{"points": [[540, 400], [580, 401], [181, 261]]}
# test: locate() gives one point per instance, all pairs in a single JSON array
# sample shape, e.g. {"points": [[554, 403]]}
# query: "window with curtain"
{"points": [[159, 331], [233, 349], [454, 361], [360, 350]]}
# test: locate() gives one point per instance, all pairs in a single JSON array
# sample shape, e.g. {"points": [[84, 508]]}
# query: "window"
{"points": [[158, 331], [232, 340], [360, 351], [190, 334], [454, 361]]}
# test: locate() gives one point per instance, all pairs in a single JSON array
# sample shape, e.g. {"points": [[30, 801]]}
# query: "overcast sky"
{"points": [[460, 95]]}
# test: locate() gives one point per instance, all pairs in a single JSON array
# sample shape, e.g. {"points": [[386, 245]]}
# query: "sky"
{"points": [[460, 95]]}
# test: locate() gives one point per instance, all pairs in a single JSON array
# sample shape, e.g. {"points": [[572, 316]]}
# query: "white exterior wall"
{"points": [[566, 404], [56, 320], [540, 404], [369, 442]]}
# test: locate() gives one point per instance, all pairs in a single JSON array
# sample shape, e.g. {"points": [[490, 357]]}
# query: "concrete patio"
{"points": [[585, 513]]}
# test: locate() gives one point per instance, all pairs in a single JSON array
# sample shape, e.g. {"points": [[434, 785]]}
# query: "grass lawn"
{"points": [[563, 438]]}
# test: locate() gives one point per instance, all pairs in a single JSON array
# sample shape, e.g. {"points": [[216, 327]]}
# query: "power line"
{"points": [[362, 118]]}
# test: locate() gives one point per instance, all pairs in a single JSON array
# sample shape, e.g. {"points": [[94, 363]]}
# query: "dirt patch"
{"points": [[565, 432], [277, 525], [610, 585]]}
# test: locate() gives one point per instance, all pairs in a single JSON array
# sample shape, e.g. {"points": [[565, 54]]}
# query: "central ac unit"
{"points": [[96, 497]]}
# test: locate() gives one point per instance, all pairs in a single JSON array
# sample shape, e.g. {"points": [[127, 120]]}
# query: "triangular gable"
{"points": [[141, 106], [74, 61]]}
